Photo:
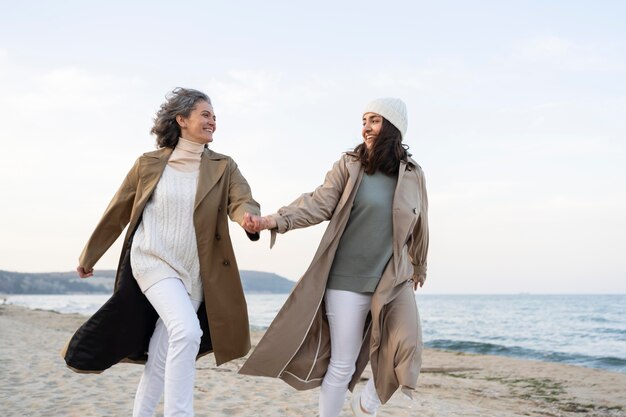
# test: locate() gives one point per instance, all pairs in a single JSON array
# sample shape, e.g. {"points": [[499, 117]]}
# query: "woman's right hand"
{"points": [[83, 273]]}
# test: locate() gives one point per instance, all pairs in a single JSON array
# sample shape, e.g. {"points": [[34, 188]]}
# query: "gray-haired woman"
{"points": [[177, 291]]}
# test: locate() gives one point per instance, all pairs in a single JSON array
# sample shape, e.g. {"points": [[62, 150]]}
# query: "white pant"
{"points": [[173, 348], [346, 312]]}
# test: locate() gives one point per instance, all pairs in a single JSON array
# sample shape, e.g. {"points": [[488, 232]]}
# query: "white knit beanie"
{"points": [[392, 109]]}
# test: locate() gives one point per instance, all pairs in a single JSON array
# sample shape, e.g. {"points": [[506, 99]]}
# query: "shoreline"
{"points": [[37, 382], [259, 321]]}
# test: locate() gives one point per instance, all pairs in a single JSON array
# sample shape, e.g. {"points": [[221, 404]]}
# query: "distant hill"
{"points": [[265, 282], [102, 282]]}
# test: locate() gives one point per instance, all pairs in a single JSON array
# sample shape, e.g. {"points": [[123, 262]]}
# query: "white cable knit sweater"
{"points": [[164, 244]]}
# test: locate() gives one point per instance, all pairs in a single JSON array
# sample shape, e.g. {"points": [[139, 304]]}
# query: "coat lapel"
{"points": [[396, 214], [405, 209], [152, 166], [354, 169], [212, 167]]}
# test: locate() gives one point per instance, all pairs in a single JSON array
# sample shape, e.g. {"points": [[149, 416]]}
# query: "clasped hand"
{"points": [[254, 224]]}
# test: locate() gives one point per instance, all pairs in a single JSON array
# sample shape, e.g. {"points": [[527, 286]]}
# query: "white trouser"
{"points": [[346, 312], [172, 352]]}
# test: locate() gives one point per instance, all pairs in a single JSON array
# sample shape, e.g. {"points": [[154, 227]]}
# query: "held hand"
{"points": [[269, 222], [248, 224], [254, 224], [83, 273]]}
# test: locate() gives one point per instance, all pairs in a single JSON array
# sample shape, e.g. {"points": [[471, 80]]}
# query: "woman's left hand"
{"points": [[417, 282]]}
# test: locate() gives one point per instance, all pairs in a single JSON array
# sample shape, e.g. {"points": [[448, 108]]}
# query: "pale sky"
{"points": [[517, 114]]}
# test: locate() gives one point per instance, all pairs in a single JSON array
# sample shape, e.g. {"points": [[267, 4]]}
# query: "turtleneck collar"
{"points": [[190, 146], [186, 156]]}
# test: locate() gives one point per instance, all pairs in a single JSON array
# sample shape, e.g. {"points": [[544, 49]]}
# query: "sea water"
{"points": [[587, 330]]}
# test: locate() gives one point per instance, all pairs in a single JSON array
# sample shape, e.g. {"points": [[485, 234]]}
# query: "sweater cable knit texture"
{"points": [[164, 244]]}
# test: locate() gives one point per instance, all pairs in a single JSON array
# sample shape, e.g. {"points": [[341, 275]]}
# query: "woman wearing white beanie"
{"points": [[355, 303]]}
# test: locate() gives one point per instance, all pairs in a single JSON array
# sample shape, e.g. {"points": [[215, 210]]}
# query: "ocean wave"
{"points": [[611, 331], [602, 362], [594, 319]]}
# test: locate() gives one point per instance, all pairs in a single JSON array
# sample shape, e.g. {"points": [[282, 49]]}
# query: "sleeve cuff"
{"points": [[253, 236], [282, 224], [420, 272]]}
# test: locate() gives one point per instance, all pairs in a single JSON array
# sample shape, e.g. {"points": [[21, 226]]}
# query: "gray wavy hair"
{"points": [[180, 101]]}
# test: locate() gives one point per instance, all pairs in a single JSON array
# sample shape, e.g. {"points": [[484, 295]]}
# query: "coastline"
{"points": [[36, 382]]}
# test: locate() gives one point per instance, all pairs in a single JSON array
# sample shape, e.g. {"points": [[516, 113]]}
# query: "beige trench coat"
{"points": [[296, 346], [121, 329]]}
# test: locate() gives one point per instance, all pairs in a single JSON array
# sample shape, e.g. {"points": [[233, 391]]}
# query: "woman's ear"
{"points": [[181, 121]]}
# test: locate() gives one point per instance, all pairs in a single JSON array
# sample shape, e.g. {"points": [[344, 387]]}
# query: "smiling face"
{"points": [[372, 125], [200, 125]]}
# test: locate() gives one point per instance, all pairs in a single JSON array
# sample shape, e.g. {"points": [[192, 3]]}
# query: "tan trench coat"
{"points": [[121, 329], [296, 346]]}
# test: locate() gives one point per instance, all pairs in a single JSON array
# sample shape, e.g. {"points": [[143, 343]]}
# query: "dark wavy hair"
{"points": [[180, 101], [386, 153]]}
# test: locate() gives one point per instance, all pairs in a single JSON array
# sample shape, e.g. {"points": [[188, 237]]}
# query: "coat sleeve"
{"points": [[314, 207], [419, 242], [240, 199], [113, 221]]}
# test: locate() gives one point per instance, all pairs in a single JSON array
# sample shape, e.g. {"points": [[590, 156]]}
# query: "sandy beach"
{"points": [[36, 382]]}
